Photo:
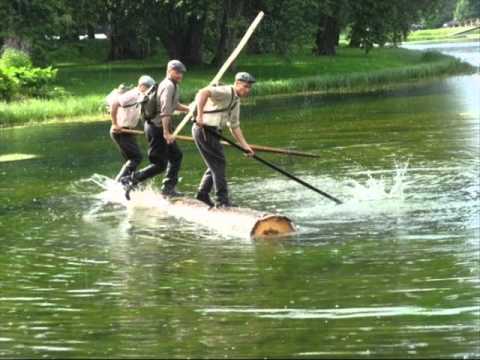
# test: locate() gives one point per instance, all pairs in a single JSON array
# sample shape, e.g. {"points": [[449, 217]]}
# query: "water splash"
{"points": [[376, 189], [237, 223]]}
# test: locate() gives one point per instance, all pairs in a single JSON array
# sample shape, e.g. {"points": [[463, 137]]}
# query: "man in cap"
{"points": [[217, 108], [125, 113], [163, 151]]}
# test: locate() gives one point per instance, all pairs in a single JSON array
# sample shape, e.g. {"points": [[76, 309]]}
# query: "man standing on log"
{"points": [[217, 108], [163, 152], [125, 113]]}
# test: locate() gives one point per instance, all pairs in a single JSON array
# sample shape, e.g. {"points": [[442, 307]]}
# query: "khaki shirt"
{"points": [[168, 98], [128, 113], [221, 98]]}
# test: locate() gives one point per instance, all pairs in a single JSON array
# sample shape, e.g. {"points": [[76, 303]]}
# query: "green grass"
{"points": [[350, 71], [444, 34]]}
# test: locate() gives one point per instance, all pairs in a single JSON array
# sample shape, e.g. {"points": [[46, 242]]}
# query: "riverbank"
{"points": [[453, 34], [351, 71]]}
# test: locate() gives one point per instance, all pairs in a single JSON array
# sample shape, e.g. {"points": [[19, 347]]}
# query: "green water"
{"points": [[394, 272]]}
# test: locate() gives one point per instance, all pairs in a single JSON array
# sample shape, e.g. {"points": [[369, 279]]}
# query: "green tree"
{"points": [[440, 13], [467, 9], [28, 25]]}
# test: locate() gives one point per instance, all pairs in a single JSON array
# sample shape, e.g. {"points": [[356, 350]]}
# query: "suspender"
{"points": [[229, 108]]}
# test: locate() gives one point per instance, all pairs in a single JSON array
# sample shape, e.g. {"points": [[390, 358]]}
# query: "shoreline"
{"points": [[78, 108], [386, 87]]}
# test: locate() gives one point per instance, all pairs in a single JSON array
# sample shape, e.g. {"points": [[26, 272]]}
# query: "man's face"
{"points": [[175, 75], [243, 88], [142, 88]]}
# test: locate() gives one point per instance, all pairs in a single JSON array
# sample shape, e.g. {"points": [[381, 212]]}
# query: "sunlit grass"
{"points": [[444, 34], [350, 70], [16, 157]]}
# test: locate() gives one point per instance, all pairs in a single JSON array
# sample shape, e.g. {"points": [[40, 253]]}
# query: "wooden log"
{"points": [[243, 221]]}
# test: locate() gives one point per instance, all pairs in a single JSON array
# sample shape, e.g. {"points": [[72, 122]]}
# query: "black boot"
{"points": [[129, 183], [222, 204], [170, 192], [205, 198]]}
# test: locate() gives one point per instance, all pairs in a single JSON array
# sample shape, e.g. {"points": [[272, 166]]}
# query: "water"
{"points": [[393, 272]]}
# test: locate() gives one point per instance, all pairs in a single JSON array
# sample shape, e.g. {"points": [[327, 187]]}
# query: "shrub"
{"points": [[7, 86], [32, 82], [15, 58]]}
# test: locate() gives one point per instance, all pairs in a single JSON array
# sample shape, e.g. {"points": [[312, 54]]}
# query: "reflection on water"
{"points": [[393, 272]]}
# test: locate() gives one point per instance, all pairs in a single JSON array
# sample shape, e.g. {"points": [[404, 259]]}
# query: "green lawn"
{"points": [[444, 34], [89, 81]]}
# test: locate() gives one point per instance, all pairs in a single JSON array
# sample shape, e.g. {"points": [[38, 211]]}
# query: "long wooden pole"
{"points": [[275, 167], [225, 66], [261, 148]]}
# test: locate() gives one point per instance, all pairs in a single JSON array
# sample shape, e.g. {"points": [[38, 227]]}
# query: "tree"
{"points": [[440, 13], [467, 9], [380, 22], [331, 18], [288, 25], [27, 25]]}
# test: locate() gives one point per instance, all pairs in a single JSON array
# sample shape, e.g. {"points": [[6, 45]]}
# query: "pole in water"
{"points": [[275, 167]]}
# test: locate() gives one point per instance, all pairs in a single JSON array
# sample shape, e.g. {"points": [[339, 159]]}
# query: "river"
{"points": [[393, 272]]}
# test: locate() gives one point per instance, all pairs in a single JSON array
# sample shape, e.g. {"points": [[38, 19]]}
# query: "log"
{"points": [[243, 221]]}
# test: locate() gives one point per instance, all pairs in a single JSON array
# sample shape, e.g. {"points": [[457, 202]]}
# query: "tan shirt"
{"points": [[128, 113], [168, 98], [221, 98]]}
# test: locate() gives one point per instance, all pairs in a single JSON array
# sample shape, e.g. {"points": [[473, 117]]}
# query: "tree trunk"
{"points": [[192, 44], [91, 32], [327, 35], [355, 37], [228, 33]]}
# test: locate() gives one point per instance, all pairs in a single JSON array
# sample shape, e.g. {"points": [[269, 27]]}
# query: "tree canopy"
{"points": [[205, 31]]}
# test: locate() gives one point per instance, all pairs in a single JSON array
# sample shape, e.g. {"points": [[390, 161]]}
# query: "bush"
{"points": [[7, 86], [32, 82], [15, 58], [20, 80]]}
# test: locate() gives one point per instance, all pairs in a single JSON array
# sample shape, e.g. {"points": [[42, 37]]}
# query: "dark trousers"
{"points": [[127, 144], [213, 155], [162, 156]]}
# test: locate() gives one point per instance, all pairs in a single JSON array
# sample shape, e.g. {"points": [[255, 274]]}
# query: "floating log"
{"points": [[245, 221]]}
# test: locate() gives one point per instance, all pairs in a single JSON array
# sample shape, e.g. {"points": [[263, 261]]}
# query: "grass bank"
{"points": [[351, 70], [444, 34]]}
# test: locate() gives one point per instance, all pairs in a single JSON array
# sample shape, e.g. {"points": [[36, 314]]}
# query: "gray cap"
{"points": [[146, 80], [177, 65], [244, 76]]}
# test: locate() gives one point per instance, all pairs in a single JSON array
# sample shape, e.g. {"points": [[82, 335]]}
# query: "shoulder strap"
{"points": [[229, 108]]}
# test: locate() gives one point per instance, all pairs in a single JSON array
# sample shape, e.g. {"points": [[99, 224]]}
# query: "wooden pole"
{"points": [[225, 66], [275, 167], [260, 148]]}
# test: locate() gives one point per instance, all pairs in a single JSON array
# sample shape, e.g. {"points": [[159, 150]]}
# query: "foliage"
{"points": [[19, 79], [467, 9], [439, 14], [7, 86], [15, 58]]}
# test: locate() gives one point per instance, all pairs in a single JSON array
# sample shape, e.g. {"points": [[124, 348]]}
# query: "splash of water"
{"points": [[237, 223], [375, 189]]}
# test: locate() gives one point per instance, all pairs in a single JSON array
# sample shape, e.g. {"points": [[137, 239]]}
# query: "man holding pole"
{"points": [[163, 151], [217, 108]]}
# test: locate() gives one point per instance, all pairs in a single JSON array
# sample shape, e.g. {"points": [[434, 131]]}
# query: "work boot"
{"points": [[171, 192], [205, 198], [129, 184], [224, 205]]}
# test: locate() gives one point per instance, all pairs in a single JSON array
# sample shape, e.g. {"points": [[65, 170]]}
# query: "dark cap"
{"points": [[176, 65], [246, 77]]}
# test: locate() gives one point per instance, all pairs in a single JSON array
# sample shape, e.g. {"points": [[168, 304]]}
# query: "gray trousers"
{"points": [[212, 153], [127, 144]]}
